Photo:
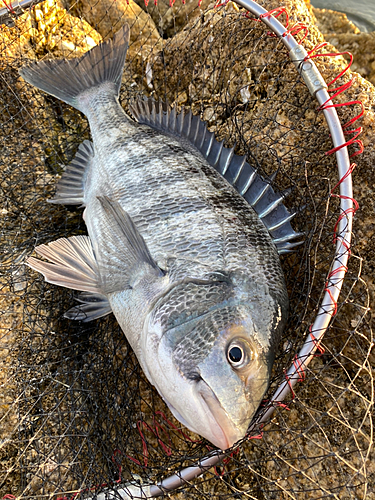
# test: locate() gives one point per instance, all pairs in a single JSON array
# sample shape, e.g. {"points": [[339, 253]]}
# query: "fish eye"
{"points": [[239, 353], [235, 355]]}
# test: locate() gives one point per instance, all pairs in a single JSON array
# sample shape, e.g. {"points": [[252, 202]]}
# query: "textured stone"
{"points": [[330, 21], [107, 16], [172, 19], [362, 46]]}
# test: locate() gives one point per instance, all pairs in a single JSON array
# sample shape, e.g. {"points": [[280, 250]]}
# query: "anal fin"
{"points": [[70, 188]]}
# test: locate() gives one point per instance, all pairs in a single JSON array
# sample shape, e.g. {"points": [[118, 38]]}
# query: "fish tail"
{"points": [[67, 79]]}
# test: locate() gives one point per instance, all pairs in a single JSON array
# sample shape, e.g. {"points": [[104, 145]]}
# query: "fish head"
{"points": [[209, 352]]}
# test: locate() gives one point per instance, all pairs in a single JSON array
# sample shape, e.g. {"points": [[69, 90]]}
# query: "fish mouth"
{"points": [[226, 433], [218, 428]]}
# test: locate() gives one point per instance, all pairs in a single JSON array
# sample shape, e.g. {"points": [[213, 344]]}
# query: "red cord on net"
{"points": [[225, 461], [287, 378], [156, 429], [338, 91], [345, 213], [299, 370], [298, 365], [277, 10], [257, 436], [280, 404], [274, 12], [297, 28], [353, 140], [332, 273], [311, 55], [275, 404], [220, 4], [345, 176], [9, 6], [316, 343], [175, 428]]}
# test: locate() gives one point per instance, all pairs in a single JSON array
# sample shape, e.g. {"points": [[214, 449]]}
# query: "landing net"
{"points": [[77, 415]]}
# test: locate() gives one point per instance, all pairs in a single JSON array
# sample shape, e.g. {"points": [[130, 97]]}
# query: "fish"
{"points": [[183, 245]]}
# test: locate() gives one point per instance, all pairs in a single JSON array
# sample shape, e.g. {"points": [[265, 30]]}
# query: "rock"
{"points": [[107, 16], [330, 21], [58, 33], [250, 95], [362, 46], [16, 43], [346, 37], [172, 19]]}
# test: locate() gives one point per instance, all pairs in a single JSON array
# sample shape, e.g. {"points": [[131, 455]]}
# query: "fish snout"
{"points": [[228, 425]]}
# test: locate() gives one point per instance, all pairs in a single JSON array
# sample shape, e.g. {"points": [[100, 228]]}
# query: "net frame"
{"points": [[334, 280]]}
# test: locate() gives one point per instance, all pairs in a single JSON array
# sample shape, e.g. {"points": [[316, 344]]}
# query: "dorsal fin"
{"points": [[258, 192]]}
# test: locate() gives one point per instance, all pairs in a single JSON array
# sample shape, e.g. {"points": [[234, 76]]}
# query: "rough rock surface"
{"points": [[171, 19], [345, 36], [330, 21], [108, 16], [47, 28], [362, 46]]}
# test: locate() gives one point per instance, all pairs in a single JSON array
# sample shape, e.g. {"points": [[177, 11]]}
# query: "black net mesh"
{"points": [[76, 411]]}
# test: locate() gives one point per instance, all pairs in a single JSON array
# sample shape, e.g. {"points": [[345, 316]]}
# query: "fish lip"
{"points": [[231, 434]]}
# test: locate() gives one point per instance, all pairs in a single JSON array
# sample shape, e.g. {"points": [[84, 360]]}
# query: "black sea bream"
{"points": [[186, 265]]}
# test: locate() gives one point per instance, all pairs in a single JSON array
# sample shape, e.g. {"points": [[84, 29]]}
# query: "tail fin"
{"points": [[66, 79]]}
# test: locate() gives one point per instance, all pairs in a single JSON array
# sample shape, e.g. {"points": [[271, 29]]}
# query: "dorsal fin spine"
{"points": [[215, 157], [187, 124], [256, 190], [153, 113], [271, 207], [203, 136], [245, 189], [226, 156], [164, 118], [235, 178], [172, 119], [180, 121], [260, 194], [195, 126], [282, 222], [212, 138], [286, 238]]}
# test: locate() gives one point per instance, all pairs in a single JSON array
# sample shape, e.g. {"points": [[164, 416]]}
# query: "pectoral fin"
{"points": [[124, 258], [72, 264]]}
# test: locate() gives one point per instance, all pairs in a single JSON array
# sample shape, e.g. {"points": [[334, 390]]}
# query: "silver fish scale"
{"points": [[181, 206], [190, 301]]}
